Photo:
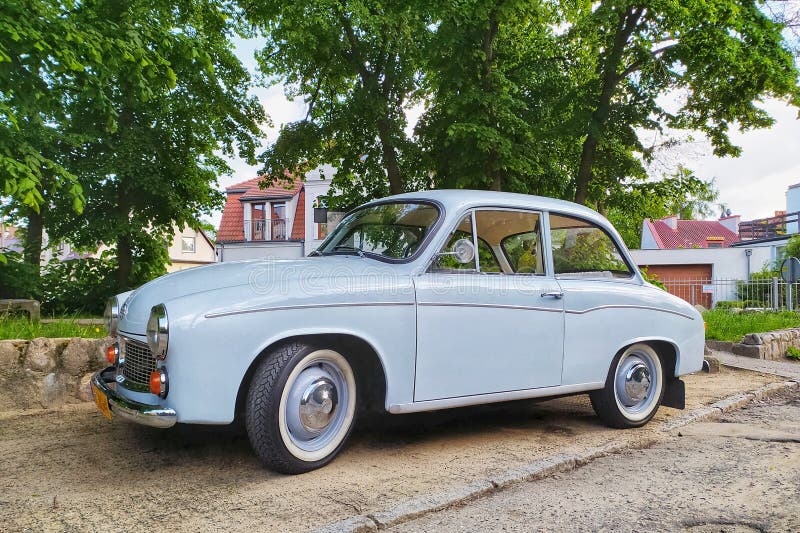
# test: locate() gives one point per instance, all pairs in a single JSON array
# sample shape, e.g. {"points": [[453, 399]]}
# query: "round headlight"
{"points": [[158, 331], [111, 315]]}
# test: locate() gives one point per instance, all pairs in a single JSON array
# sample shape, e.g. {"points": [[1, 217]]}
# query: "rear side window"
{"points": [[582, 249]]}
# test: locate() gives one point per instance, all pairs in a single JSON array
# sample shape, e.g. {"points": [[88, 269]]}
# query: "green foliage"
{"points": [[652, 278], [22, 328], [18, 279], [77, 286], [723, 325], [793, 353], [792, 247], [681, 192], [592, 251], [176, 100], [723, 56], [534, 97], [356, 65], [495, 74]]}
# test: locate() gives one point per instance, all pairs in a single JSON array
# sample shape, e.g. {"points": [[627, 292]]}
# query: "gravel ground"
{"points": [[740, 474], [72, 470]]}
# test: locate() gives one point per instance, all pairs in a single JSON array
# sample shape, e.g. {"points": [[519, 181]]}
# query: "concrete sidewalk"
{"points": [[786, 369]]}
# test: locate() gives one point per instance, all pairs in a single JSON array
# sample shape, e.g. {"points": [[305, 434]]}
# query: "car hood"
{"points": [[262, 276]]}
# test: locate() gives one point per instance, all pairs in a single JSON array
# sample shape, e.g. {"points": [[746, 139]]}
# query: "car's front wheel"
{"points": [[300, 408], [633, 390]]}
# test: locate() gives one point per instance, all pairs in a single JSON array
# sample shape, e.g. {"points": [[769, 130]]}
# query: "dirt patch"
{"points": [[71, 469]]}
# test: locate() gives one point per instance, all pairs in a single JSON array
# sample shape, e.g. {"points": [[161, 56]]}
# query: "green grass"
{"points": [[22, 328], [727, 326]]}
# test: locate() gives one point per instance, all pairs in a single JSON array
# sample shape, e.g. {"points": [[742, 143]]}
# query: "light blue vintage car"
{"points": [[415, 302]]}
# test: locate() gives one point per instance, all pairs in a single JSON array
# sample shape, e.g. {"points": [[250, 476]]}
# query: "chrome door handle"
{"points": [[555, 294]]}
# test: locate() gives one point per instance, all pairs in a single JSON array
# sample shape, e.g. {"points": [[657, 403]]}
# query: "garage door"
{"points": [[685, 281]]}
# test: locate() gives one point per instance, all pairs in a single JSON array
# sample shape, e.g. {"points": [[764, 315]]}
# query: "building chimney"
{"points": [[731, 222], [671, 221]]}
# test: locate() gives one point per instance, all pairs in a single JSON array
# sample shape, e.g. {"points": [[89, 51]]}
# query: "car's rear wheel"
{"points": [[300, 407], [633, 390]]}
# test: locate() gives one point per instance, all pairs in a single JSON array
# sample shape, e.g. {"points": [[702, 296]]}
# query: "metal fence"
{"points": [[769, 293]]}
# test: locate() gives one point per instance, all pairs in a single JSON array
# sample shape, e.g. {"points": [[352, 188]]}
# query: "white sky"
{"points": [[753, 185]]}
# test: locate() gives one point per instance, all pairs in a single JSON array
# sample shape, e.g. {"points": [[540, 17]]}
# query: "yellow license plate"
{"points": [[101, 401]]}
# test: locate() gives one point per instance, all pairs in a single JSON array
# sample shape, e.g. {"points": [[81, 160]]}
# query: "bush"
{"points": [[18, 279], [793, 353], [77, 286], [728, 304], [652, 278]]}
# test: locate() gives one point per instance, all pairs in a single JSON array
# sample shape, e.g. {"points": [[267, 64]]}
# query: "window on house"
{"points": [[187, 244], [582, 249]]}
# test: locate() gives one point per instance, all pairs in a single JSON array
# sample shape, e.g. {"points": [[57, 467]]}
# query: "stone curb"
{"points": [[417, 507]]}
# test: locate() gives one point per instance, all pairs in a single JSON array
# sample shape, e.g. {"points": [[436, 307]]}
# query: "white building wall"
{"points": [[727, 264], [792, 206], [648, 241], [259, 250], [318, 183]]}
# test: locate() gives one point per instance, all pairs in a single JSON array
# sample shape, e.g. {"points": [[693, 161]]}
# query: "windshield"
{"points": [[391, 230]]}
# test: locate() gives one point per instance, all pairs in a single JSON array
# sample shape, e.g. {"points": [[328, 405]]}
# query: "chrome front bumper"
{"points": [[140, 413]]}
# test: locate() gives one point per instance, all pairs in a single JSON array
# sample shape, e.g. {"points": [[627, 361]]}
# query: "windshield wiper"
{"points": [[345, 247]]}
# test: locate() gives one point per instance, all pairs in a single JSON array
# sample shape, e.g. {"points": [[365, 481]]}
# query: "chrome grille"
{"points": [[139, 362]]}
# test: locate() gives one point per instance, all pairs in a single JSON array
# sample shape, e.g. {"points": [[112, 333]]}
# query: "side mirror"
{"points": [[463, 251]]}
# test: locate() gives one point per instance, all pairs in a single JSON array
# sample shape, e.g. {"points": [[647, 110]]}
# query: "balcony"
{"points": [[766, 228], [271, 229]]}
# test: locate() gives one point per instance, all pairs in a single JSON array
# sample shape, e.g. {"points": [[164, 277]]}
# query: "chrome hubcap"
{"points": [[318, 404], [637, 383]]}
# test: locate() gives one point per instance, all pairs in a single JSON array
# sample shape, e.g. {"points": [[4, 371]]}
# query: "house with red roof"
{"points": [[703, 261], [672, 233], [272, 222]]}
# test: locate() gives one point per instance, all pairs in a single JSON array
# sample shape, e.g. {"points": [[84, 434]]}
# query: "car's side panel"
{"points": [[602, 317], [210, 354], [486, 333]]}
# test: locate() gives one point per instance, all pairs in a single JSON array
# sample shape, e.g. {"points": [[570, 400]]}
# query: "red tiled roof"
{"points": [[299, 225], [231, 227], [691, 233]]}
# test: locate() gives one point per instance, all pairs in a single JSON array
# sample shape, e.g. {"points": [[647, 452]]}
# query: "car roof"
{"points": [[458, 199]]}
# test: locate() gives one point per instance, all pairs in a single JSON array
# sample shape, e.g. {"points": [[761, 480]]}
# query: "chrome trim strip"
{"points": [[304, 306], [624, 306], [463, 401], [493, 306], [148, 415]]}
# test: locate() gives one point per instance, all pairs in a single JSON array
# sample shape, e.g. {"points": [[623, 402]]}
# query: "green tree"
{"points": [[496, 76], [177, 97], [680, 193], [716, 58], [356, 64]]}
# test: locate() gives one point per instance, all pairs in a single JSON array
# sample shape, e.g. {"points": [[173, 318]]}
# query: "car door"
{"points": [[603, 302], [495, 323]]}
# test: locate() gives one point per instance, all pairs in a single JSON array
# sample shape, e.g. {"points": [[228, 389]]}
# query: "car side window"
{"points": [[515, 237], [447, 263], [486, 257], [508, 243], [582, 249]]}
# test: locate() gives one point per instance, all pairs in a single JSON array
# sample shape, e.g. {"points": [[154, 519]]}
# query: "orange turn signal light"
{"points": [[155, 382], [111, 354]]}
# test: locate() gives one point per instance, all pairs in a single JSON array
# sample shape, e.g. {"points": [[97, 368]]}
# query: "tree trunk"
{"points": [[124, 241], [496, 179], [390, 162], [610, 78], [34, 239], [124, 262]]}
